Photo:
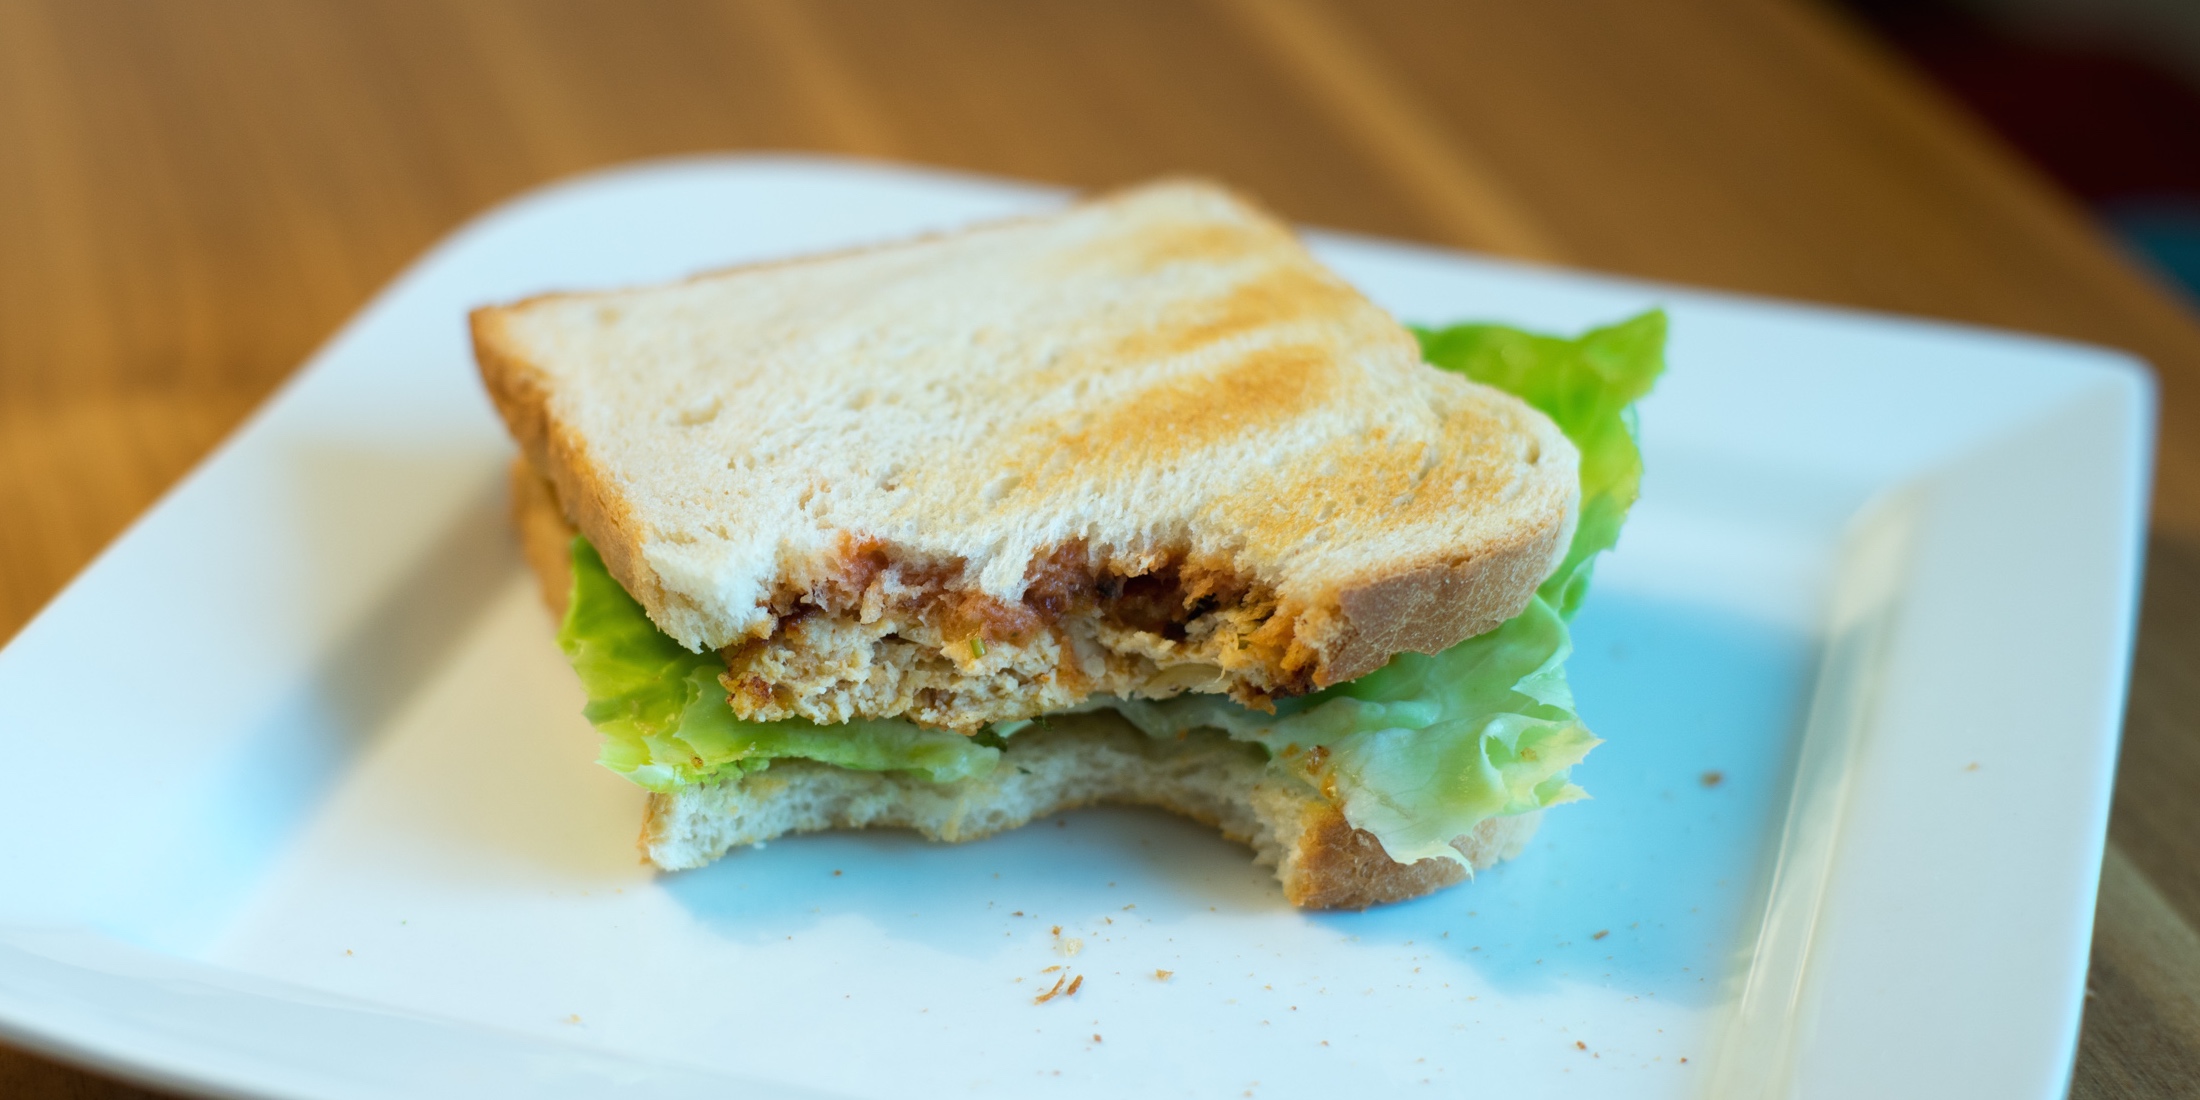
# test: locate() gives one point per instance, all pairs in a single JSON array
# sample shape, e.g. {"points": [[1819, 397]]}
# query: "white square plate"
{"points": [[297, 800]]}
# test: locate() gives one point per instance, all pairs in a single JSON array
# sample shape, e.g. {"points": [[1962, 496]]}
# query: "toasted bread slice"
{"points": [[1143, 446], [1075, 760]]}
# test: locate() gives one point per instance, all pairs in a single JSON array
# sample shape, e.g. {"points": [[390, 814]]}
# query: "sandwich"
{"points": [[1131, 503]]}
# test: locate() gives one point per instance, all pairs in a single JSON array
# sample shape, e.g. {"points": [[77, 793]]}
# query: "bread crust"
{"points": [[1335, 866], [1321, 861], [1431, 607], [545, 536], [556, 453], [1326, 634]]}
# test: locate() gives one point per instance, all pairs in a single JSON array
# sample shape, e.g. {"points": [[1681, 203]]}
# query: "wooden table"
{"points": [[192, 194]]}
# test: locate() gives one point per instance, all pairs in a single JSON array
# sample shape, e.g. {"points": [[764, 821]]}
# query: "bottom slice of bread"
{"points": [[1080, 760], [1070, 761]]}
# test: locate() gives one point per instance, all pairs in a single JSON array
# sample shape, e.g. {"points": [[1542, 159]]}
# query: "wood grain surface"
{"points": [[193, 194]]}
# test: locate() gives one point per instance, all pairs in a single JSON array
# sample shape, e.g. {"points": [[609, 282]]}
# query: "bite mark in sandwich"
{"points": [[1132, 503]]}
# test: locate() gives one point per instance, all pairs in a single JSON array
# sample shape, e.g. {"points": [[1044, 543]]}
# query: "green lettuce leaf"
{"points": [[1425, 748], [665, 719]]}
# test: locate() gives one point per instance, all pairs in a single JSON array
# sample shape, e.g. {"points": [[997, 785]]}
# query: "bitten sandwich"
{"points": [[1131, 503]]}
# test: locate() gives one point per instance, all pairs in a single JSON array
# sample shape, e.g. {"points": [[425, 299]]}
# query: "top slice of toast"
{"points": [[1160, 380]]}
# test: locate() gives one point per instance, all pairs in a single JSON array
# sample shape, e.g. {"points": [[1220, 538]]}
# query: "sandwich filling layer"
{"points": [[885, 638], [1417, 753]]}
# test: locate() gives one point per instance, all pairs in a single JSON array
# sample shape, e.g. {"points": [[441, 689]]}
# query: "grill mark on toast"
{"points": [[1275, 298], [1263, 388]]}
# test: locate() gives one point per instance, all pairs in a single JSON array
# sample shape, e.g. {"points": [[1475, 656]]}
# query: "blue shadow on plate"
{"points": [[1701, 712]]}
